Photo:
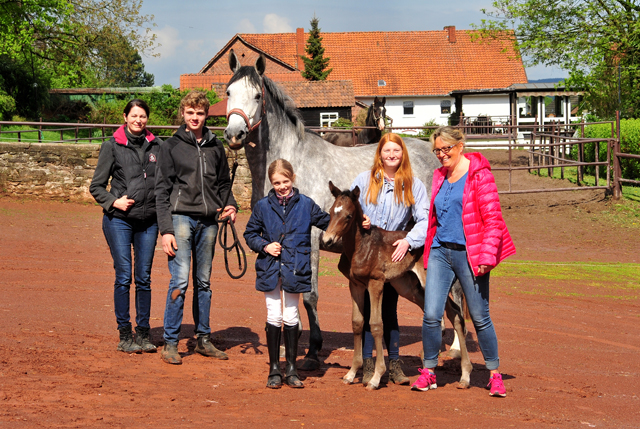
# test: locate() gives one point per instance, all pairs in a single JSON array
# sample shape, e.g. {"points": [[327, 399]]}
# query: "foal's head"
{"points": [[345, 211]]}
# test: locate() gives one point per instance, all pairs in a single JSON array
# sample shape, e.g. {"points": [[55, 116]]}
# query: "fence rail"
{"points": [[547, 147]]}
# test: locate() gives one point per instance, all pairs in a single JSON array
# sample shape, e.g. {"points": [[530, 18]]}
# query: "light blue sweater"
{"points": [[390, 215]]}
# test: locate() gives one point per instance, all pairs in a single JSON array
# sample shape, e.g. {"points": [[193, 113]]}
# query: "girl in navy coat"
{"points": [[279, 230]]}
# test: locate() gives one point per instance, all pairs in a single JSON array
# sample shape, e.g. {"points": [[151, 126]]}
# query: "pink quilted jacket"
{"points": [[488, 240]]}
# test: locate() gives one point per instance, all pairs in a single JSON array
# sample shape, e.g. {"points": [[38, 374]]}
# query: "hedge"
{"points": [[629, 143]]}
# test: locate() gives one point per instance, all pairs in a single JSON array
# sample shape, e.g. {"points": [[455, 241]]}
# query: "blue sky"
{"points": [[192, 32]]}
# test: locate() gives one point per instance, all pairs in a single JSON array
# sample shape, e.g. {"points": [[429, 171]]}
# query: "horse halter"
{"points": [[244, 116]]}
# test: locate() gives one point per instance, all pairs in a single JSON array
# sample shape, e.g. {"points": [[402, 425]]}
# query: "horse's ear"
{"points": [[375, 100], [384, 100], [334, 190], [356, 193], [234, 62], [261, 64]]}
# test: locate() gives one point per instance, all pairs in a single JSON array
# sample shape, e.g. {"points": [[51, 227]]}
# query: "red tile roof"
{"points": [[328, 93], [411, 63]]}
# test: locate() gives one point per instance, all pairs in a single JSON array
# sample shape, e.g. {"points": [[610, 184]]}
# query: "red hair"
{"points": [[403, 180]]}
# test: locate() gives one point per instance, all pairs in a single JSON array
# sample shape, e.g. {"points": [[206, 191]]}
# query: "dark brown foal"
{"points": [[366, 262]]}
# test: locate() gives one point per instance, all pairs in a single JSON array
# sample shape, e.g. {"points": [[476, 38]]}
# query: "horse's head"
{"points": [[245, 103], [379, 112], [344, 212]]}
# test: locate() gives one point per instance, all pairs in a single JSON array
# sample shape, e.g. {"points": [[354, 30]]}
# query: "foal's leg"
{"points": [[375, 323], [310, 299], [455, 316], [458, 298], [357, 323]]}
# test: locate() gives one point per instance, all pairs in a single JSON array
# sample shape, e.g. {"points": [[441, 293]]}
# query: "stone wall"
{"points": [[64, 171]]}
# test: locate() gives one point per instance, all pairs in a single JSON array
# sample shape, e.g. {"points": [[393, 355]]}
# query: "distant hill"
{"points": [[548, 80]]}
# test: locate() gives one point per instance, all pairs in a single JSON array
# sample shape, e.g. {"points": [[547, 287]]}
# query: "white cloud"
{"points": [[245, 26], [169, 42], [276, 24]]}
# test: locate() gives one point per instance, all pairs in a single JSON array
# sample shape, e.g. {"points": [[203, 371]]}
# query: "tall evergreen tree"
{"points": [[315, 67]]}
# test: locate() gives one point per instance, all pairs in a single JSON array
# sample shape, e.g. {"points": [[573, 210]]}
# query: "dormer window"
{"points": [[382, 82]]}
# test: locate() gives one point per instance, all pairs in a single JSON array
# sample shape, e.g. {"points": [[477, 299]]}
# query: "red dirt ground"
{"points": [[569, 359]]}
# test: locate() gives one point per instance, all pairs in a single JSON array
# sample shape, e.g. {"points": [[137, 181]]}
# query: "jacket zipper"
{"points": [[175, 207], [203, 169]]}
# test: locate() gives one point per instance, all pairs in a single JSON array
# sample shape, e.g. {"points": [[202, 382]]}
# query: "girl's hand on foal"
{"points": [[366, 223], [273, 249], [402, 246]]}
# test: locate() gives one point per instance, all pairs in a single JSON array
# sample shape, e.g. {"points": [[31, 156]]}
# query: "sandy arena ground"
{"points": [[569, 350]]}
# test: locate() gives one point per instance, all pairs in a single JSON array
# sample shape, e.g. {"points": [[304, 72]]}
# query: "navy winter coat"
{"points": [[267, 224]]}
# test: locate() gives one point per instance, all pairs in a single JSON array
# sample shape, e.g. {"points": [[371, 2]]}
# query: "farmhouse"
{"points": [[424, 75]]}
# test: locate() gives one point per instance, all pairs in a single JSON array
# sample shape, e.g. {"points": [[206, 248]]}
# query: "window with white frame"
{"points": [[407, 107], [445, 107], [328, 118]]}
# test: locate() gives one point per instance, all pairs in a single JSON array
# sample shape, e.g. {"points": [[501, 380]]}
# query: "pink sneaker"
{"points": [[426, 381], [496, 386]]}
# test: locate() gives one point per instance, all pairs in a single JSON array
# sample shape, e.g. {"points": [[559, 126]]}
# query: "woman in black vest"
{"points": [[128, 160]]}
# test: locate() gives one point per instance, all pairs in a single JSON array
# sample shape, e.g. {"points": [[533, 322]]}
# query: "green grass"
{"points": [[571, 174], [569, 279], [33, 135]]}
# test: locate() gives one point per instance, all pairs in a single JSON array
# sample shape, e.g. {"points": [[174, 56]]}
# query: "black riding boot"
{"points": [[291, 351], [273, 345]]}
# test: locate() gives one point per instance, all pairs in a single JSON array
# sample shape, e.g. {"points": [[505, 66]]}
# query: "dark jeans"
{"points": [[121, 235], [196, 240], [391, 330]]}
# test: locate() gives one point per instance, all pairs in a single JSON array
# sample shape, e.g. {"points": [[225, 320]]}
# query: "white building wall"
{"points": [[426, 109], [485, 105]]}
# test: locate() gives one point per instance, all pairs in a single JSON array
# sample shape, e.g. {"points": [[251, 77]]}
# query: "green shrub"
{"points": [[342, 123], [629, 143], [426, 133], [163, 103]]}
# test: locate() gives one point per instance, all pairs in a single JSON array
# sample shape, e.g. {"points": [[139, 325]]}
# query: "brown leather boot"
{"points": [[396, 375], [206, 348], [170, 354], [368, 369]]}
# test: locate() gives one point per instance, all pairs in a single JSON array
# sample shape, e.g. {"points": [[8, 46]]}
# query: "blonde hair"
{"points": [[403, 180], [281, 166], [449, 134], [195, 99]]}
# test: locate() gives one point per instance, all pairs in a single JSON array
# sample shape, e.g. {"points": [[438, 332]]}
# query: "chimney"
{"points": [[300, 47], [451, 33]]}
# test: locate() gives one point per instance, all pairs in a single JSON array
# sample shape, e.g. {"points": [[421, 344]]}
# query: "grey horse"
{"points": [[264, 120]]}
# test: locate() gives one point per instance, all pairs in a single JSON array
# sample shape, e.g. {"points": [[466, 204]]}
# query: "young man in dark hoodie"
{"points": [[192, 181]]}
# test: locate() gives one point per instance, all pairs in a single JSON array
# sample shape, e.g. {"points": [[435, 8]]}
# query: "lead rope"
{"points": [[223, 234]]}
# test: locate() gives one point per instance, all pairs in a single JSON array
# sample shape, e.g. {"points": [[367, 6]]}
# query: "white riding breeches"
{"points": [[275, 312]]}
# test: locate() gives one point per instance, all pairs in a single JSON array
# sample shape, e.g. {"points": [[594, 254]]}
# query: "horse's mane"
{"points": [[278, 96], [285, 102]]}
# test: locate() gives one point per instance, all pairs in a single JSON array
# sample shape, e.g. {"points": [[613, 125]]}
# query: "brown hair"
{"points": [[195, 99], [403, 181], [281, 166], [449, 134]]}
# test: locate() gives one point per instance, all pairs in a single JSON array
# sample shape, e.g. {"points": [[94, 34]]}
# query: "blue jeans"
{"points": [[195, 237], [121, 234], [445, 265]]}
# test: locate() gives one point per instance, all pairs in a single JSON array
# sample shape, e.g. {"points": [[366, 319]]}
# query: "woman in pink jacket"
{"points": [[466, 239]]}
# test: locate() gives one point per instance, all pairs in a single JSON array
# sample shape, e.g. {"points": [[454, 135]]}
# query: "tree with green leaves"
{"points": [[596, 41], [315, 64], [71, 43]]}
